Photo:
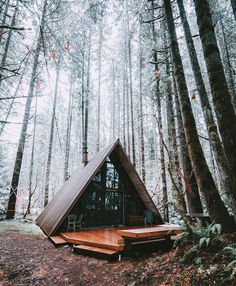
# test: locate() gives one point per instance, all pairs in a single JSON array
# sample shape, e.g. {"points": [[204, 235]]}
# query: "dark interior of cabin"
{"points": [[110, 200]]}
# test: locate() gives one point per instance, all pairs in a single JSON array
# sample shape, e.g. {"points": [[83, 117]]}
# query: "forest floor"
{"points": [[27, 257]]}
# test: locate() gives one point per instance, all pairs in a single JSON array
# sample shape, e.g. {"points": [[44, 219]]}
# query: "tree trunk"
{"points": [[193, 198], [126, 59], [119, 106], [7, 45], [13, 99], [142, 151], [83, 92], [228, 66], [131, 102], [162, 158], [233, 4], [19, 155], [3, 21], [220, 93], [160, 126], [223, 165], [32, 163], [113, 103], [86, 104], [127, 111], [99, 87], [215, 206], [162, 154], [174, 158], [68, 133], [51, 136], [124, 105]]}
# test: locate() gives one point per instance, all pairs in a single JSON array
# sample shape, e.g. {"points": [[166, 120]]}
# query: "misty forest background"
{"points": [[158, 75]]}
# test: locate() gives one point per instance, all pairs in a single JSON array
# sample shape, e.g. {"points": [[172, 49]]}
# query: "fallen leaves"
{"points": [[33, 260]]}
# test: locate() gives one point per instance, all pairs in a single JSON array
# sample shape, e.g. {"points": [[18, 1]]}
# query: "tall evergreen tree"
{"points": [[51, 134], [225, 114], [20, 150], [233, 3], [223, 165], [214, 204], [193, 197]]}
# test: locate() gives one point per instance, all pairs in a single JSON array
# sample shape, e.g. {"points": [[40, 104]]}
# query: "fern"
{"points": [[199, 235], [231, 249], [204, 241], [214, 229], [233, 275], [190, 254], [231, 264]]}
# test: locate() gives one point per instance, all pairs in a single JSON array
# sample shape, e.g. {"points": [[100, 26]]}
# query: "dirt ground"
{"points": [[27, 257]]}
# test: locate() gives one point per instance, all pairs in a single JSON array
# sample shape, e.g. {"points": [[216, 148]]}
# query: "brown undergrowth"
{"points": [[28, 258]]}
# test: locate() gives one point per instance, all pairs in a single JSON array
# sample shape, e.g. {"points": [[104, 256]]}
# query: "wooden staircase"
{"points": [[100, 243], [80, 239], [58, 240], [96, 251]]}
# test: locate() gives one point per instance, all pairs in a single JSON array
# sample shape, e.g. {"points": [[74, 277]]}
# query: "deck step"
{"points": [[95, 249], [150, 241], [57, 239], [92, 242]]}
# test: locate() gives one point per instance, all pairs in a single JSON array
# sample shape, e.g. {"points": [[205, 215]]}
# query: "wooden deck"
{"points": [[113, 239], [106, 238], [150, 232]]}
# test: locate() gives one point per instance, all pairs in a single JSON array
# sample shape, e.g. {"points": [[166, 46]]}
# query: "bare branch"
{"points": [[10, 70], [9, 122], [12, 97], [159, 61], [162, 50], [153, 20], [13, 28]]}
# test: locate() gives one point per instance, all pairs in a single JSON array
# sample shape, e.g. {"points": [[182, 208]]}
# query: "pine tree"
{"points": [[225, 114], [233, 3], [223, 165], [51, 135], [214, 204], [20, 151]]}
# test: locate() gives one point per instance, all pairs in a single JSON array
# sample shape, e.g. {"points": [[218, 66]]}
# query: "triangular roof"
{"points": [[64, 200]]}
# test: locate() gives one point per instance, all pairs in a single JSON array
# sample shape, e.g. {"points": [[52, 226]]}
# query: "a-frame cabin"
{"points": [[108, 192]]}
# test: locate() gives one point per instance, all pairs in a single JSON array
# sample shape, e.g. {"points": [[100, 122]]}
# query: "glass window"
{"points": [[112, 177]]}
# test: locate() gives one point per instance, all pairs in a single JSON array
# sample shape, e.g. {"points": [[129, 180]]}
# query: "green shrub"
{"points": [[200, 236], [231, 250]]}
